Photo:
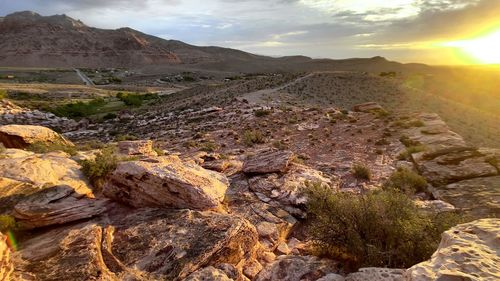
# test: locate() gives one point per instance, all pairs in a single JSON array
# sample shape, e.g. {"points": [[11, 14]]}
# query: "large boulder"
{"points": [[56, 205], [138, 147], [21, 136], [467, 252], [297, 268], [479, 197], [268, 162], [166, 182], [45, 170], [6, 267], [146, 244], [376, 274]]}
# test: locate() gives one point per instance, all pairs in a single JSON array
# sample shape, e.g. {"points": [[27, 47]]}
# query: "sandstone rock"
{"points": [[467, 252], [376, 274], [286, 188], [139, 147], [453, 164], [296, 268], [252, 269], [56, 205], [283, 249], [368, 107], [479, 197], [21, 136], [268, 162], [166, 182], [12, 192], [45, 170], [147, 244], [209, 273], [436, 206], [332, 277], [6, 267]]}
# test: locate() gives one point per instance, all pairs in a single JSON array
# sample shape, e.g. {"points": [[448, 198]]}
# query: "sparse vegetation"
{"points": [[42, 147], [104, 163], [79, 109], [406, 181], [406, 155], [251, 137], [262, 112], [126, 137], [7, 223], [361, 171], [380, 228], [406, 141], [3, 94]]}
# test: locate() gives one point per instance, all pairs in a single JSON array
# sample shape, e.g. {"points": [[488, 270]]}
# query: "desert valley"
{"points": [[125, 156]]}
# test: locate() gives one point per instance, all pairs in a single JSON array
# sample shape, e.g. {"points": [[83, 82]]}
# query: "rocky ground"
{"points": [[212, 189]]}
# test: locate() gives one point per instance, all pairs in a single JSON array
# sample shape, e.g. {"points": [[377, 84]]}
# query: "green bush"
{"points": [[251, 137], [406, 141], [7, 223], [42, 147], [135, 99], [406, 181], [79, 109], [361, 171], [104, 163], [3, 94], [380, 228]]}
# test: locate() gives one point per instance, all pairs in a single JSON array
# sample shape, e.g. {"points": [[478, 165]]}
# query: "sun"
{"points": [[484, 49]]}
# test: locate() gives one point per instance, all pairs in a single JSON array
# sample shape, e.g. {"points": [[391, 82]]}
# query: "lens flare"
{"points": [[484, 49], [11, 241]]}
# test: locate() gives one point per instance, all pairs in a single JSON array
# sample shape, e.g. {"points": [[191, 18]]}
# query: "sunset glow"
{"points": [[483, 49]]}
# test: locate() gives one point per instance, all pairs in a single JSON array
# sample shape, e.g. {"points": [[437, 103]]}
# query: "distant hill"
{"points": [[28, 39]]}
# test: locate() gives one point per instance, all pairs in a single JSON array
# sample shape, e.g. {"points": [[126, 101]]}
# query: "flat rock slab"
{"points": [[368, 107], [21, 136], [56, 205], [166, 182], [453, 164], [147, 244], [376, 274], [467, 252], [478, 197], [268, 162]]}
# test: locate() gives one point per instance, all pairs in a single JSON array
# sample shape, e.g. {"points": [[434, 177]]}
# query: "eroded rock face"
{"points": [[45, 170], [139, 147], [147, 244], [268, 162], [166, 182], [21, 136], [467, 252], [56, 205], [376, 274], [479, 197], [6, 266], [296, 268], [207, 274], [286, 188]]}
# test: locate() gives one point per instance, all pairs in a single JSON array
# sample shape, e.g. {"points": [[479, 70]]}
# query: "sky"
{"points": [[426, 31]]}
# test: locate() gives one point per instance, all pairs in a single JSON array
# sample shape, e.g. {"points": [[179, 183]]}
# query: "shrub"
{"points": [[104, 163], [209, 146], [125, 137], [406, 155], [406, 181], [361, 171], [42, 147], [109, 116], [406, 141], [7, 223], [79, 109], [382, 141], [380, 228], [251, 137], [3, 94], [261, 112]]}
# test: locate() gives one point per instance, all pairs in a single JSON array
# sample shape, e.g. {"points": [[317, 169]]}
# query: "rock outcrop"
{"points": [[45, 170], [268, 162], [368, 107], [139, 147], [147, 244], [166, 182], [208, 273], [467, 252], [56, 205], [21, 136], [6, 267], [376, 274]]}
